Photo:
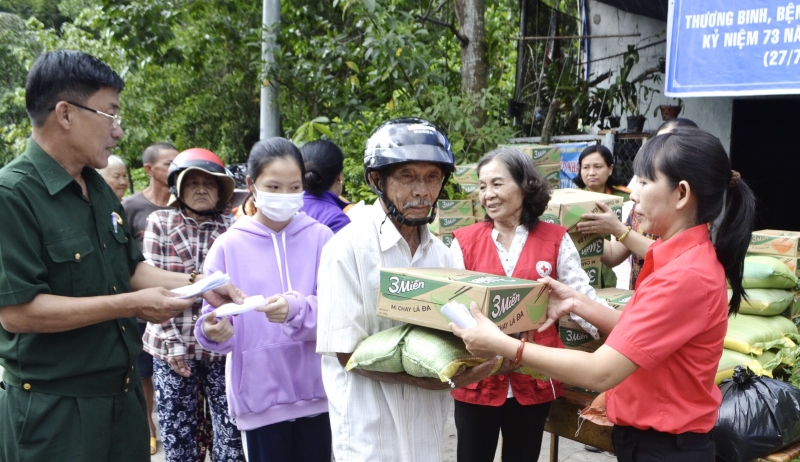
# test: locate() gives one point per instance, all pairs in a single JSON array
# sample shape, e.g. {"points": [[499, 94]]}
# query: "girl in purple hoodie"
{"points": [[274, 385]]}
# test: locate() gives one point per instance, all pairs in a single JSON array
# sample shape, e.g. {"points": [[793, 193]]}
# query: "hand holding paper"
{"points": [[249, 304], [211, 282], [458, 314]]}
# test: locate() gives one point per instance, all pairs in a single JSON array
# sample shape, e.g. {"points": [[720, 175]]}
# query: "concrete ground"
{"points": [[569, 451]]}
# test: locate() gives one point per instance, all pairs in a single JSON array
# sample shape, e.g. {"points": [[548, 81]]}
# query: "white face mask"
{"points": [[278, 207]]}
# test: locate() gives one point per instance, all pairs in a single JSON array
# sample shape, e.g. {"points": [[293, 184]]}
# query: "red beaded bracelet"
{"points": [[518, 358]]}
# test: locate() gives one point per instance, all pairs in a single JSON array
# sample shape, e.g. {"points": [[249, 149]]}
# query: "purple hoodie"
{"points": [[273, 372], [326, 209]]}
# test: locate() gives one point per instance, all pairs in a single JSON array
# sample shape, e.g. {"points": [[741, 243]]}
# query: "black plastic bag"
{"points": [[758, 415]]}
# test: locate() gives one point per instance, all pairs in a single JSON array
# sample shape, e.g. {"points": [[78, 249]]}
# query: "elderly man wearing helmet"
{"points": [[374, 415], [178, 239]]}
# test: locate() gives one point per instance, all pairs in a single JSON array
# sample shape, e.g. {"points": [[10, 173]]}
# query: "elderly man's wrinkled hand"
{"points": [[475, 374]]}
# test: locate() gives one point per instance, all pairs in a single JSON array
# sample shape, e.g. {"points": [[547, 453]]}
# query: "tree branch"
{"points": [[599, 79], [647, 73], [461, 38]]}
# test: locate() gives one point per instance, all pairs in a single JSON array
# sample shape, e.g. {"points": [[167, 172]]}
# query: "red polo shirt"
{"points": [[673, 329]]}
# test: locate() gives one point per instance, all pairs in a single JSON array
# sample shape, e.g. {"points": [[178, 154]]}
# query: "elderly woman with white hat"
{"points": [[178, 239]]}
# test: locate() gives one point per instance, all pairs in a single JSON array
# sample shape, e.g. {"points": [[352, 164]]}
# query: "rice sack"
{"points": [[765, 302], [764, 272], [754, 334], [381, 352]]}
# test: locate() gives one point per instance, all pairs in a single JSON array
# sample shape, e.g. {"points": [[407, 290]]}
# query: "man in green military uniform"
{"points": [[72, 280]]}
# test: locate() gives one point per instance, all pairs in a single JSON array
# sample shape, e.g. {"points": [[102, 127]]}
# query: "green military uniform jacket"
{"points": [[53, 240]]}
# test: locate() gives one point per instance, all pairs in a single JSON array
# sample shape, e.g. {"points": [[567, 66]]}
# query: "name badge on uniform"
{"points": [[115, 221]]}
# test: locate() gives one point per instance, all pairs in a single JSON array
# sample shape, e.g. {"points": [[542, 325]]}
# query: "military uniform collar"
{"points": [[54, 176]]}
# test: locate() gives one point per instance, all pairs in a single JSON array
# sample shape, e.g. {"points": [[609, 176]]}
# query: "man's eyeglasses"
{"points": [[116, 120]]}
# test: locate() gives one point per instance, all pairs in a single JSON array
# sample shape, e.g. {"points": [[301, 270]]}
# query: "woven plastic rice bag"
{"points": [[436, 354], [731, 359], [763, 272], [754, 334], [765, 302], [757, 416], [381, 352]]}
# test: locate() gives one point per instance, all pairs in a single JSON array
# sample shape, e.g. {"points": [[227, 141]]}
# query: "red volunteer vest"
{"points": [[480, 254]]}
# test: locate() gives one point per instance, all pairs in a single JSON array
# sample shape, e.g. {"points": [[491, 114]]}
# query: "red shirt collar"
{"points": [[663, 252]]}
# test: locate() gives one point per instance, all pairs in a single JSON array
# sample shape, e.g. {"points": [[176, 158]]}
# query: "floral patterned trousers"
{"points": [[176, 398]]}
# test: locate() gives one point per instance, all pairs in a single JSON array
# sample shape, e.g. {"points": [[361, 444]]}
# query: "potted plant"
{"points": [[635, 97], [601, 105], [669, 111]]}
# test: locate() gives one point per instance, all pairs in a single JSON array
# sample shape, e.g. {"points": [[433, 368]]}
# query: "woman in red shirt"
{"points": [[662, 352]]}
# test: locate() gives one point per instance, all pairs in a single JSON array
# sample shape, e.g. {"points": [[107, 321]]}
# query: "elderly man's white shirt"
{"points": [[371, 420]]}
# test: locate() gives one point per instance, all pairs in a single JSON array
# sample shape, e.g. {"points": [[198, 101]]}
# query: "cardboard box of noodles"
{"points": [[775, 242], [575, 338], [616, 298], [540, 154], [467, 173], [478, 211], [416, 296], [566, 206], [588, 245], [550, 172], [592, 267], [443, 225], [446, 238], [471, 191], [454, 209]]}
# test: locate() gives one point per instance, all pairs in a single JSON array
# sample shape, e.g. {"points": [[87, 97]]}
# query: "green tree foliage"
{"points": [[193, 71]]}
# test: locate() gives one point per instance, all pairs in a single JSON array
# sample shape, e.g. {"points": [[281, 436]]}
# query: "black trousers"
{"points": [[307, 439], [479, 428], [634, 445]]}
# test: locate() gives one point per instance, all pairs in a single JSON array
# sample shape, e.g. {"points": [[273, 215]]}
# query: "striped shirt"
{"points": [[373, 420], [175, 242]]}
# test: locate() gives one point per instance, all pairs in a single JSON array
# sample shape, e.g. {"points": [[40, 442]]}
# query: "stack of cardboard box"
{"points": [[566, 208], [575, 338], [546, 158], [455, 214], [451, 216], [785, 246]]}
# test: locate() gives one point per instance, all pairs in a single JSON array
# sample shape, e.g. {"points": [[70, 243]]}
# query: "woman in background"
{"points": [[597, 173], [629, 238], [323, 184]]}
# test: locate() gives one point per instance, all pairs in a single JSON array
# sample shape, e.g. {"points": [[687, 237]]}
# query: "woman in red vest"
{"points": [[513, 242], [662, 353]]}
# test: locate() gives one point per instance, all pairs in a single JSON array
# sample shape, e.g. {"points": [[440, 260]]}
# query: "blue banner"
{"points": [[569, 163], [732, 48]]}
